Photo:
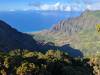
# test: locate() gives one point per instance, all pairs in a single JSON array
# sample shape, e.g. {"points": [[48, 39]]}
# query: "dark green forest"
{"points": [[52, 62]]}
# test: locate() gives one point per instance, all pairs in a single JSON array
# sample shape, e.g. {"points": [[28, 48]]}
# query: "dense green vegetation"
{"points": [[52, 62], [95, 13], [89, 42], [47, 38], [83, 33]]}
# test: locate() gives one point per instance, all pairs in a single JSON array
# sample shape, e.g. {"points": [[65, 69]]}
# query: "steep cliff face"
{"points": [[80, 32], [87, 20], [10, 38]]}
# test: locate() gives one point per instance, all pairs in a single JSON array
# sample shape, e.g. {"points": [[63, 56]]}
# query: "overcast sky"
{"points": [[62, 5]]}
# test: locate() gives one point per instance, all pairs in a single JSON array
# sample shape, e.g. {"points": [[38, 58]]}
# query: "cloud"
{"points": [[44, 5], [58, 6], [12, 10], [68, 8], [94, 6], [74, 5], [91, 1], [55, 6]]}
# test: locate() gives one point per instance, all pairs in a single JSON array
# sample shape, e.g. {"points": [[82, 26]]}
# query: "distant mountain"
{"points": [[87, 20], [80, 32], [10, 38]]}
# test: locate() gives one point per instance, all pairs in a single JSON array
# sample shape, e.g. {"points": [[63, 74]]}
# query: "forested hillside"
{"points": [[80, 32], [25, 62]]}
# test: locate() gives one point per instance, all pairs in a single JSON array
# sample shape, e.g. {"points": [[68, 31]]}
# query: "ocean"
{"points": [[30, 21]]}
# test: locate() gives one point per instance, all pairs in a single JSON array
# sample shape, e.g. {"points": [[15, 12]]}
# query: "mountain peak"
{"points": [[73, 25]]}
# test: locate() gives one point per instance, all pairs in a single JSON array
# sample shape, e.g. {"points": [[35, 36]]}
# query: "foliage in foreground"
{"points": [[24, 62]]}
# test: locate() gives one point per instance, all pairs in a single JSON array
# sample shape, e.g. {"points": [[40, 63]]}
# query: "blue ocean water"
{"points": [[30, 21]]}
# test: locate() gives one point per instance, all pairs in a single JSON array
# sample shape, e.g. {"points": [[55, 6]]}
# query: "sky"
{"points": [[62, 5]]}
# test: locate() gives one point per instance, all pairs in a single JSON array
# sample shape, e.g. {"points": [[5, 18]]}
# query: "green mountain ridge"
{"points": [[11, 38], [80, 32]]}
